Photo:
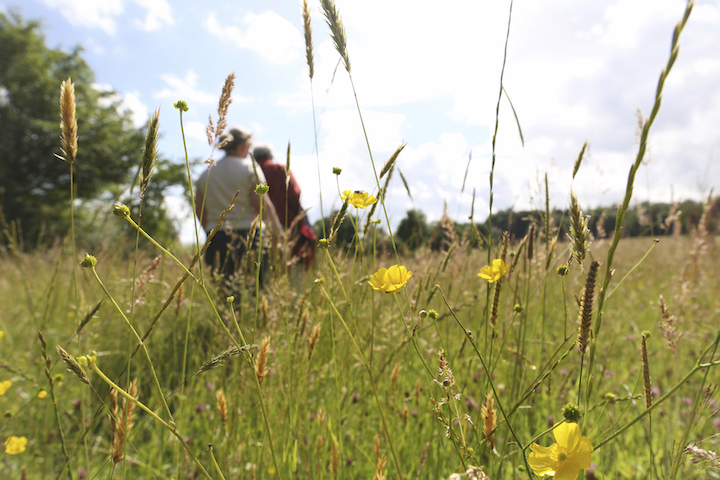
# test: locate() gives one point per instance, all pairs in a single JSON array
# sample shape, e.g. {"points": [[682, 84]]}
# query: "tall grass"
{"points": [[318, 375]]}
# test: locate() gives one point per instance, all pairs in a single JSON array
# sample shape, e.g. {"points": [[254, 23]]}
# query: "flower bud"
{"points": [[261, 189], [89, 261], [121, 210], [181, 105]]}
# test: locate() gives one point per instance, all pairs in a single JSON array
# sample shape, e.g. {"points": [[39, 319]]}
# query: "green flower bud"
{"points": [[262, 189], [518, 308], [89, 261], [323, 243], [83, 360], [121, 210], [610, 397], [230, 299], [181, 105], [337, 170], [319, 281], [562, 270], [432, 314], [423, 313], [571, 412]]}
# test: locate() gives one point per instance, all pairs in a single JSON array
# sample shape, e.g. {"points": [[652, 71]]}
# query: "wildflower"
{"points": [[42, 394], [4, 387], [89, 261], [15, 445], [2, 334], [571, 412], [390, 279], [337, 170], [564, 459], [181, 105], [495, 272], [358, 199]]}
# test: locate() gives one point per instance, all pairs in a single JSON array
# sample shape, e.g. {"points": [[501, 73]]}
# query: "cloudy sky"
{"points": [[427, 74]]}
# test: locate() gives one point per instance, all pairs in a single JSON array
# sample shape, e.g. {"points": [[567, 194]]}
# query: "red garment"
{"points": [[275, 177]]}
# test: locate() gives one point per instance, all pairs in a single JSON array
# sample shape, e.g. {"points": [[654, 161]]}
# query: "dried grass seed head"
{"points": [[68, 121]]}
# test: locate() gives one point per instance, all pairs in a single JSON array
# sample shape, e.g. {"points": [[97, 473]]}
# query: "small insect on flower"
{"points": [[15, 445], [495, 272], [391, 279], [562, 460], [358, 198]]}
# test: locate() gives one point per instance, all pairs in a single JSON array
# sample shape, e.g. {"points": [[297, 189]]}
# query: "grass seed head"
{"points": [[307, 29], [68, 122], [72, 365], [261, 368]]}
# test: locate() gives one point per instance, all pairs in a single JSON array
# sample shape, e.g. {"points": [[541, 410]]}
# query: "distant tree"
{"points": [[413, 230], [34, 183]]}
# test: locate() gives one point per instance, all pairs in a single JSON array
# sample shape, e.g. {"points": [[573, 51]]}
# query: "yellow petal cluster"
{"points": [[42, 394], [562, 460], [358, 199], [391, 279], [15, 445], [493, 273], [4, 387]]}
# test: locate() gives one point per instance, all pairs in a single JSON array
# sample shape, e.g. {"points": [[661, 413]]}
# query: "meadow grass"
{"points": [[318, 375]]}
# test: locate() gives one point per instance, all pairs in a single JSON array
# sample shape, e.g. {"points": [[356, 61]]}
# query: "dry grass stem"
{"points": [[222, 405], [489, 415], [313, 339], [334, 460], [124, 423], [148, 273], [224, 103], [669, 326], [380, 468], [261, 369], [68, 122]]}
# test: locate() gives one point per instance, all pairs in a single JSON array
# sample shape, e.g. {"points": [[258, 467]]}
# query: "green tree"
{"points": [[413, 229], [34, 183]]}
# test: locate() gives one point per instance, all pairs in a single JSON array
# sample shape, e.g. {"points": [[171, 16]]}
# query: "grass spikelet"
{"points": [[647, 383], [89, 316], [222, 405], [579, 232], [224, 104], [579, 159], [405, 183], [380, 468], [391, 161], [489, 415], [113, 415], [337, 30], [72, 365], [210, 130], [219, 360], [669, 326], [68, 122], [495, 304], [586, 307], [313, 339], [150, 152], [148, 273], [261, 369], [505, 245], [125, 423], [338, 220], [377, 446], [307, 29], [423, 458], [531, 242]]}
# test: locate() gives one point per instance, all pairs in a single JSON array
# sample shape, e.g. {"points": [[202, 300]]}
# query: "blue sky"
{"points": [[426, 74]]}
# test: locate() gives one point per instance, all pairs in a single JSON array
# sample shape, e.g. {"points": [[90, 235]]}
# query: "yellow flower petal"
{"points": [[4, 387], [563, 459], [540, 460], [358, 199], [42, 394], [2, 334], [493, 273], [391, 279], [15, 445]]}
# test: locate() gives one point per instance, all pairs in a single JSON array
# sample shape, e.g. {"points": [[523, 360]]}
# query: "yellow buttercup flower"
{"points": [[495, 272], [562, 460], [15, 445], [358, 199], [4, 387], [391, 279], [2, 334], [42, 394]]}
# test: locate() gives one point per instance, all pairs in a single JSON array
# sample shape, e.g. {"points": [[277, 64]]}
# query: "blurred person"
{"points": [[285, 195], [214, 191]]}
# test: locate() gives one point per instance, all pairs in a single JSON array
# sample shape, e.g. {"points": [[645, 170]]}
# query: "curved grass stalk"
{"points": [[172, 428], [140, 341]]}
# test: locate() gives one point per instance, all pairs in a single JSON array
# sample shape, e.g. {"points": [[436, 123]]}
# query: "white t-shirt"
{"points": [[219, 183]]}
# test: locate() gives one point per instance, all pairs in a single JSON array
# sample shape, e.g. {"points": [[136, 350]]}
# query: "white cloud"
{"points": [[89, 13], [126, 102], [267, 34], [195, 130], [159, 12], [185, 89]]}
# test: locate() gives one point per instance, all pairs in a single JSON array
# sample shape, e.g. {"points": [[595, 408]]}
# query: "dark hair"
{"points": [[263, 152]]}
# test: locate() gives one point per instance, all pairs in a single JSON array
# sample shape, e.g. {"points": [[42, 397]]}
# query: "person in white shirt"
{"points": [[214, 191]]}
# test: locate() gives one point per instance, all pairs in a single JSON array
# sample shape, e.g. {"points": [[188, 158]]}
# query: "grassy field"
{"points": [[132, 363]]}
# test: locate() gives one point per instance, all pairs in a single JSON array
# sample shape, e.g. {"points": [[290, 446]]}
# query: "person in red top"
{"points": [[285, 195]]}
